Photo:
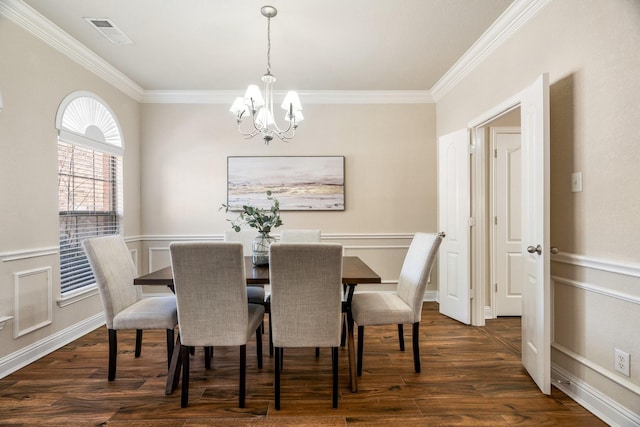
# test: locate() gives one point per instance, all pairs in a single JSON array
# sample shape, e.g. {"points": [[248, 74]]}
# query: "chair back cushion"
{"points": [[114, 272], [245, 237], [416, 269], [211, 293], [300, 236], [306, 294]]}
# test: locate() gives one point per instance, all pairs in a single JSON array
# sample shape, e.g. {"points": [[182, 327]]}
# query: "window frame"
{"points": [[87, 125]]}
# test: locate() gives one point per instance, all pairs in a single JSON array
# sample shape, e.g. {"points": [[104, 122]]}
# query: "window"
{"points": [[89, 182]]}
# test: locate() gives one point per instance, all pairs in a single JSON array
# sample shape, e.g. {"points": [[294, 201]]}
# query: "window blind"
{"points": [[89, 191]]}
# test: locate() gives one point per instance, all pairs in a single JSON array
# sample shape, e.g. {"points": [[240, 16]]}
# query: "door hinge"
{"points": [[495, 153], [495, 220], [496, 288], [471, 221], [472, 149]]}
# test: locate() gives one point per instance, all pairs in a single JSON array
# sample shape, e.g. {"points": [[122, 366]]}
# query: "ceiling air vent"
{"points": [[107, 28]]}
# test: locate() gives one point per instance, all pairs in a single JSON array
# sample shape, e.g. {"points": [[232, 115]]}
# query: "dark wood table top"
{"points": [[354, 271]]}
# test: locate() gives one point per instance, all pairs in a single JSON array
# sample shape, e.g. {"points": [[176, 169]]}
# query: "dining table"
{"points": [[354, 271]]}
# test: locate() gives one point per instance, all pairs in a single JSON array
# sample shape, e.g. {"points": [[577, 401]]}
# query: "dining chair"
{"points": [[210, 285], [124, 306], [255, 294], [297, 236], [306, 301], [405, 306]]}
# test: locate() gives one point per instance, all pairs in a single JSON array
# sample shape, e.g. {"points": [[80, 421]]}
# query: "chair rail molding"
{"points": [[611, 266], [28, 253]]}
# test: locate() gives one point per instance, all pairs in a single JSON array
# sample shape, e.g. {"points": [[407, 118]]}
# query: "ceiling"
{"points": [[323, 45]]}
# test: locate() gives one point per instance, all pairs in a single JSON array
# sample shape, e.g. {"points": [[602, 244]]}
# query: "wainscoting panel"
{"points": [[596, 309], [33, 300]]}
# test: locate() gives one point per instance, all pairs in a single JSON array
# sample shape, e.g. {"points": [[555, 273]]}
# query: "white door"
{"points": [[535, 248], [453, 218], [507, 215]]}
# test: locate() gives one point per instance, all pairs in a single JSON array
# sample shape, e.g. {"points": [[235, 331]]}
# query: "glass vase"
{"points": [[261, 249]]}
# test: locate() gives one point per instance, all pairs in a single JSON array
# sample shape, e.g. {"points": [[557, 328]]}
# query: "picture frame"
{"points": [[300, 183]]}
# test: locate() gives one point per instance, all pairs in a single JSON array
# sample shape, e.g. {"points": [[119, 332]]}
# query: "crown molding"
{"points": [[308, 96], [32, 21], [514, 17]]}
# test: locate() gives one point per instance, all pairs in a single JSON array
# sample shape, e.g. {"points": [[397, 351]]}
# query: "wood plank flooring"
{"points": [[470, 377]]}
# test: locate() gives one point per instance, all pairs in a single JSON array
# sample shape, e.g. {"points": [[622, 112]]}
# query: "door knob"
{"points": [[537, 249], [554, 250]]}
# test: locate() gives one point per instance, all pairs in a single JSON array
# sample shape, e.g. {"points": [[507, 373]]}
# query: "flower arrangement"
{"points": [[262, 219]]}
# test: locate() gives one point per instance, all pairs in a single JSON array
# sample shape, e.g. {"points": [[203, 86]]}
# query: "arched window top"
{"points": [[84, 118]]}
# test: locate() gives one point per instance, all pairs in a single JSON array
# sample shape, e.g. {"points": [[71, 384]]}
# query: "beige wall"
{"points": [[390, 167], [590, 50], [34, 79], [175, 175]]}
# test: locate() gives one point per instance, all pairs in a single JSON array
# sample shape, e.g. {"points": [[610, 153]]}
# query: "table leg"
{"points": [[173, 376]]}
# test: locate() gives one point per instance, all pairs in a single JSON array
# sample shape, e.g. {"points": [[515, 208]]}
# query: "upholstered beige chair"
{"points": [[124, 307], [255, 294], [210, 285], [300, 236], [297, 236], [306, 301], [373, 308]]}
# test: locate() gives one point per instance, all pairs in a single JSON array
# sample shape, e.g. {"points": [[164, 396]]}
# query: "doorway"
{"points": [[504, 289]]}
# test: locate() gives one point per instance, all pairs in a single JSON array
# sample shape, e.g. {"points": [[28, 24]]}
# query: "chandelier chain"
{"points": [[268, 45]]}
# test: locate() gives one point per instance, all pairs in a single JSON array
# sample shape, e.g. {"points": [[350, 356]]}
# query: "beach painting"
{"points": [[299, 183]]}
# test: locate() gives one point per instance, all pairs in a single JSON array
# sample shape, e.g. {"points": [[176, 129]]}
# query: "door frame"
{"points": [[480, 209], [491, 310]]}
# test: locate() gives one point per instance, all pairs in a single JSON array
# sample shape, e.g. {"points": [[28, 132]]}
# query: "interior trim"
{"points": [[309, 96], [28, 253], [28, 354], [32, 21], [513, 18], [596, 289], [622, 382], [611, 266], [599, 404]]}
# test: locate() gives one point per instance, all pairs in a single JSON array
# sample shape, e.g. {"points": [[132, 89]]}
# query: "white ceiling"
{"points": [[367, 45]]}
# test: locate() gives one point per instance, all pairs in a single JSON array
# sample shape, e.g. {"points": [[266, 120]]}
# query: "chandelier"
{"points": [[261, 109]]}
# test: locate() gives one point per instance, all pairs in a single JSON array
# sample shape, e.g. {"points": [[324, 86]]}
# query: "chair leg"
{"points": [[207, 357], [317, 352], [170, 339], [270, 335], [401, 336], [184, 397], [416, 347], [113, 353], [243, 375], [360, 348], [138, 342], [259, 345], [334, 365], [276, 381]]}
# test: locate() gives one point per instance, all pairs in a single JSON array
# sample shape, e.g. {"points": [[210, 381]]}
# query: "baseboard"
{"points": [[21, 358], [591, 399]]}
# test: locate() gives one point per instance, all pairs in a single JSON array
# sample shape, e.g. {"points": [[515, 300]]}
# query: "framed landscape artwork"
{"points": [[299, 183]]}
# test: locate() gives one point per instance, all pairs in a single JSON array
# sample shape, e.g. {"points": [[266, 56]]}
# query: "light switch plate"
{"points": [[576, 182]]}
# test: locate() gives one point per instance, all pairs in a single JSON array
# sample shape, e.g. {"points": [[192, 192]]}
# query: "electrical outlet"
{"points": [[622, 362]]}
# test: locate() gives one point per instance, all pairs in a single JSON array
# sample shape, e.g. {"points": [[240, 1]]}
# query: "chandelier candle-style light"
{"points": [[261, 109]]}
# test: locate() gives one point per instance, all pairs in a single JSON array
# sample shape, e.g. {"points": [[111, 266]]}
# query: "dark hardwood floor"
{"points": [[470, 377]]}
